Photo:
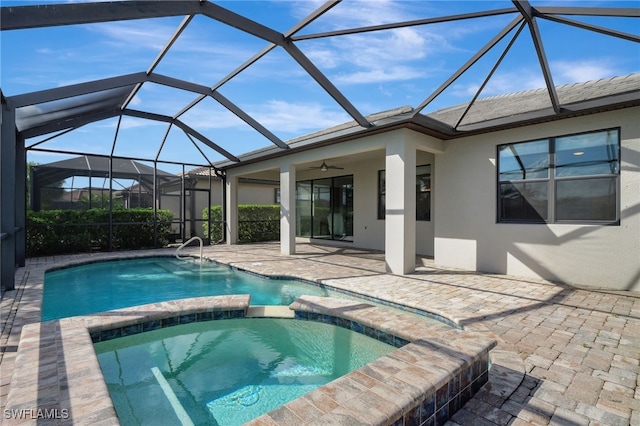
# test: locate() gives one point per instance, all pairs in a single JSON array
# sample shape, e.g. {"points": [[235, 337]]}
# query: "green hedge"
{"points": [[255, 222], [77, 231]]}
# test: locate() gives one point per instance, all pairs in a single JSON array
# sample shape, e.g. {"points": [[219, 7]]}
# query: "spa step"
{"points": [[269, 311]]}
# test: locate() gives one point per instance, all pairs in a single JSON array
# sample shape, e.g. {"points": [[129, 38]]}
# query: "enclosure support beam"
{"points": [[155, 204], [111, 246], [529, 14], [8, 197], [21, 202], [287, 209]]}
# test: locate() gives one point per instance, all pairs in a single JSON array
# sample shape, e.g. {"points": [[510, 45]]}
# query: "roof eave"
{"points": [[587, 107], [419, 123], [429, 126]]}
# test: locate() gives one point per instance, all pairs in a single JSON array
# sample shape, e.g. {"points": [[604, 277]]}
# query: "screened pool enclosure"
{"points": [[107, 186], [230, 85]]}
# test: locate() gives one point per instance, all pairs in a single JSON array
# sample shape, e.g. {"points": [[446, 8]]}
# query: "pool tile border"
{"points": [[410, 383], [56, 368], [423, 382], [157, 324], [374, 333]]}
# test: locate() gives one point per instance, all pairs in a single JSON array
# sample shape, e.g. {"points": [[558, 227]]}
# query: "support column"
{"points": [[21, 202], [7, 197], [400, 199], [288, 209], [231, 226]]}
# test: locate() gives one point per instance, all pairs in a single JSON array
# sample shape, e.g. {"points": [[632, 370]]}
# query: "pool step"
{"points": [[269, 312], [187, 268]]}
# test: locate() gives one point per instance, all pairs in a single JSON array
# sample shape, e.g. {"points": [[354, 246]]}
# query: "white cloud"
{"points": [[136, 101], [382, 56], [380, 75], [563, 72], [324, 57], [394, 55], [132, 123], [501, 83], [365, 13], [297, 117], [45, 51], [135, 34], [385, 91], [275, 115], [202, 117], [579, 71]]}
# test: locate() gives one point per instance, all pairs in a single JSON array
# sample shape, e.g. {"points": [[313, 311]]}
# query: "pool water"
{"points": [[104, 286], [226, 372]]}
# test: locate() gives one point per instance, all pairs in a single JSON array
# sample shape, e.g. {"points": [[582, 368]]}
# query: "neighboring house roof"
{"points": [[485, 115], [203, 172], [96, 166]]}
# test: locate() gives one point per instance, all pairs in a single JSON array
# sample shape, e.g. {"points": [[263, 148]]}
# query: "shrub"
{"points": [[216, 222], [255, 222], [77, 231]]}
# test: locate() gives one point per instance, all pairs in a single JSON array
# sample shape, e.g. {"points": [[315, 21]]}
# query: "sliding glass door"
{"points": [[325, 208], [341, 223], [321, 208]]}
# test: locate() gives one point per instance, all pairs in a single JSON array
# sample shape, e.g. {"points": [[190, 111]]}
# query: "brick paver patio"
{"points": [[576, 352]]}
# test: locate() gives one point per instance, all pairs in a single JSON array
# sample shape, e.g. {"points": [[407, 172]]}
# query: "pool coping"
{"points": [[59, 371], [432, 373], [507, 369], [56, 368]]}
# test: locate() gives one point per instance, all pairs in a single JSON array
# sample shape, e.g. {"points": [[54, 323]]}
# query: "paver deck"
{"points": [[579, 350]]}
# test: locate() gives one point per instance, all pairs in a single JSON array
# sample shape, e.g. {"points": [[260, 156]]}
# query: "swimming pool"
{"points": [[104, 286], [461, 367], [226, 372], [120, 281]]}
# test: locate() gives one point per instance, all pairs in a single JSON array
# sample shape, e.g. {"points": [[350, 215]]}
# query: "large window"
{"points": [[562, 179], [324, 208], [423, 193]]}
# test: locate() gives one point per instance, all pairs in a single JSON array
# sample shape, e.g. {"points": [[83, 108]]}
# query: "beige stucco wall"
{"points": [[368, 229], [463, 232], [362, 158], [248, 193], [467, 235]]}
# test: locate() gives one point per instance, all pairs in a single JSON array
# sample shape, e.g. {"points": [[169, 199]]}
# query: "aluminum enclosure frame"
{"points": [[13, 151]]}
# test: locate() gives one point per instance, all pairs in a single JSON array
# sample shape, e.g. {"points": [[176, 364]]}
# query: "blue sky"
{"points": [[376, 71]]}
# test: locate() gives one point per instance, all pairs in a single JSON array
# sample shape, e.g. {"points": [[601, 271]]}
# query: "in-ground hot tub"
{"points": [[425, 381], [227, 372]]}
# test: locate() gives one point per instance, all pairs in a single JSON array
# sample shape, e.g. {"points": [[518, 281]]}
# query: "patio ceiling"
{"points": [[59, 110]]}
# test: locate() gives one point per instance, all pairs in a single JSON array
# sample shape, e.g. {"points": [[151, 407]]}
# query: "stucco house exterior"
{"points": [[250, 191], [520, 191]]}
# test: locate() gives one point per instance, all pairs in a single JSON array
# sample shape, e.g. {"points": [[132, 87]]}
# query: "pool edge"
{"points": [[58, 355]]}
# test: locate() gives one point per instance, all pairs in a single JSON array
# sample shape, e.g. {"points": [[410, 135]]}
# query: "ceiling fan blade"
{"points": [[324, 167]]}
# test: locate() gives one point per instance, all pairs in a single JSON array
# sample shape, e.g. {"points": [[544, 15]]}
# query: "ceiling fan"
{"points": [[324, 167]]}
